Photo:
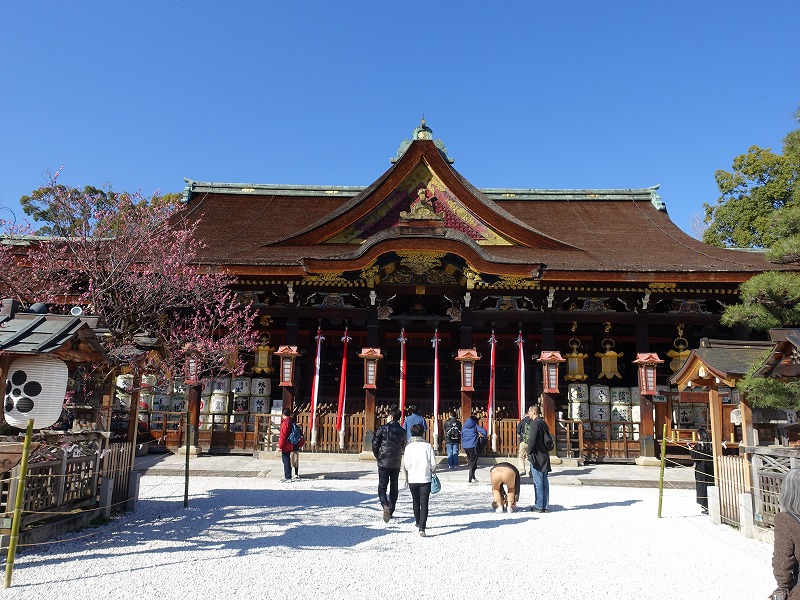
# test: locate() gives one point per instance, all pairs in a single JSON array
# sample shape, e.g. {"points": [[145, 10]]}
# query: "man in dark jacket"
{"points": [[387, 446], [539, 456]]}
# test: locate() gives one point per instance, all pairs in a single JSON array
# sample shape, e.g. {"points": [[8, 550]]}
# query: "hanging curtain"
{"points": [[435, 342], [521, 375], [402, 340], [340, 422], [315, 390]]}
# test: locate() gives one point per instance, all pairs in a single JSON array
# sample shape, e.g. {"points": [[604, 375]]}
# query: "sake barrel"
{"points": [[205, 422], [259, 404], [599, 412], [578, 395], [241, 386], [636, 400], [162, 403], [219, 403], [179, 388], [178, 403], [620, 411], [221, 385], [205, 404], [579, 411], [241, 404], [123, 401], [124, 383], [620, 395], [238, 423], [149, 383], [599, 394], [261, 386], [206, 387], [145, 401]]}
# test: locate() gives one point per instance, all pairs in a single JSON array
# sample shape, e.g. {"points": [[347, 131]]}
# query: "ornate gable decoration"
{"points": [[421, 196]]}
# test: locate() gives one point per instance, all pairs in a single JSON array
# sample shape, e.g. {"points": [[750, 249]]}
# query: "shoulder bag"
{"points": [[436, 485]]}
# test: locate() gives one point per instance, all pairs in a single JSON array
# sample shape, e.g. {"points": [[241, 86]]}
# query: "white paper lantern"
{"points": [[35, 389]]}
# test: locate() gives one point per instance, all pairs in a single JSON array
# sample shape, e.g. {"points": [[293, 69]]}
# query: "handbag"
{"points": [[436, 485]]}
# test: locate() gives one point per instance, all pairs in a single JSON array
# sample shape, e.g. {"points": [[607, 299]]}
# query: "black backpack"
{"points": [[454, 433]]}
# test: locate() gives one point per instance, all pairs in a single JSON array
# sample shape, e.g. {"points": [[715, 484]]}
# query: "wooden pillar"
{"points": [[373, 328], [193, 409], [466, 405], [549, 413], [748, 439], [466, 329], [288, 397], [369, 420], [291, 325], [647, 429], [715, 416]]}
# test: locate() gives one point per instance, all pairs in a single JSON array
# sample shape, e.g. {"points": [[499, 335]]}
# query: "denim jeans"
{"points": [[452, 455], [286, 457], [541, 487], [388, 478], [420, 494]]}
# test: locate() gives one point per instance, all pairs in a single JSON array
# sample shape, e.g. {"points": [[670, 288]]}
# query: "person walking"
{"points": [[505, 486], [539, 445], [702, 455], [786, 552], [414, 418], [387, 446], [285, 446], [452, 438], [523, 430], [419, 463], [469, 440]]}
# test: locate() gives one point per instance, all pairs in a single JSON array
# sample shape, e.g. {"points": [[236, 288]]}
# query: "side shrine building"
{"points": [[424, 290]]}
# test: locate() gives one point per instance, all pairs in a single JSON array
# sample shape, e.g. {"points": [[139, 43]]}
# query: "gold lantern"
{"points": [[550, 360], [263, 361], [468, 358], [287, 354], [575, 362], [681, 353], [608, 360], [648, 363], [371, 357]]}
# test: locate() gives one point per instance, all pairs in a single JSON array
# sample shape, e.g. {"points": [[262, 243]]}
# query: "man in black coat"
{"points": [[539, 456], [387, 446]]}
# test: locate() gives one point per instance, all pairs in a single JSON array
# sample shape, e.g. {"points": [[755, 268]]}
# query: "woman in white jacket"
{"points": [[419, 462]]}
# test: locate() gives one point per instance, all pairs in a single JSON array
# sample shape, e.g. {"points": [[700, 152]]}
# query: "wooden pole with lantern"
{"points": [[648, 363], [467, 358], [370, 356], [287, 356], [550, 359]]}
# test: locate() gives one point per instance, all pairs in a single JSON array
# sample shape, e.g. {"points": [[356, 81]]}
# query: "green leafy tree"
{"points": [[760, 208]]}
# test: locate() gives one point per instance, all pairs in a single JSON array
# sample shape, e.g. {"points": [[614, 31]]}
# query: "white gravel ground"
{"points": [[258, 538]]}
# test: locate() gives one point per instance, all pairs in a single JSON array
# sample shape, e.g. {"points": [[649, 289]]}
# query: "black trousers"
{"points": [[286, 457], [388, 478], [472, 461], [420, 494]]}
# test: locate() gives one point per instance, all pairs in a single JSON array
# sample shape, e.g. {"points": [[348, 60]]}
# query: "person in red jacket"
{"points": [[285, 446]]}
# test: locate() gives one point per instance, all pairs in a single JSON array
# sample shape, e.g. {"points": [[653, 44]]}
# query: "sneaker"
{"points": [[296, 478], [284, 480], [499, 510], [422, 533], [474, 481], [386, 514]]}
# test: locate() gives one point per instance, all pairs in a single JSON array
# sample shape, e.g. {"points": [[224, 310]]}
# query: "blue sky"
{"points": [[559, 94]]}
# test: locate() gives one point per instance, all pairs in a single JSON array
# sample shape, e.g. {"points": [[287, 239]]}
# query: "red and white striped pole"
{"points": [[342, 392], [315, 390]]}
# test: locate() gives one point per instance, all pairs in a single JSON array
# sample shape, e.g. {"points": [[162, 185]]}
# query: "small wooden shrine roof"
{"points": [[784, 361], [720, 362], [66, 337], [622, 235]]}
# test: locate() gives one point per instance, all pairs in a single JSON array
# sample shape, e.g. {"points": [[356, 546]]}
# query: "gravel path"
{"points": [[321, 538]]}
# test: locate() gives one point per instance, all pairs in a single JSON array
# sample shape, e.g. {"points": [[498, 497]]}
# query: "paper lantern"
{"points": [[35, 389]]}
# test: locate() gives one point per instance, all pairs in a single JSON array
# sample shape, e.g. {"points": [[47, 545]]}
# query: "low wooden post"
{"points": [[748, 440], [18, 500], [715, 416], [369, 420]]}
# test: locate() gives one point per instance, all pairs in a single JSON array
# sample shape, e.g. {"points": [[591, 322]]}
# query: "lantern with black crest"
{"points": [[35, 389]]}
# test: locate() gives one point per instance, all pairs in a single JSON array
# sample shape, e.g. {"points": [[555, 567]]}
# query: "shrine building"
{"points": [[421, 289]]}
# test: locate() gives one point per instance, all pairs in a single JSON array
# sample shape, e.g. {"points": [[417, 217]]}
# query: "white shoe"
{"points": [[296, 478], [284, 480], [499, 510]]}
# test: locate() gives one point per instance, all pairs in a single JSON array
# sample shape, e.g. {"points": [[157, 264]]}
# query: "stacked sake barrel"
{"points": [[240, 386], [636, 411], [122, 392], [260, 390], [578, 396], [620, 411], [206, 390], [599, 409]]}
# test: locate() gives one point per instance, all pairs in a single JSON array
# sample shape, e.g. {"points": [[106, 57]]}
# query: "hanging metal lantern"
{"points": [[681, 352], [371, 356], [263, 359], [468, 358], [608, 360], [35, 389], [550, 360], [287, 354], [575, 362], [648, 363]]}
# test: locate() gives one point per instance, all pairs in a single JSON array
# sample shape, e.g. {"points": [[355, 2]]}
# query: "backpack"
{"points": [[295, 434], [454, 433], [526, 432], [547, 439]]}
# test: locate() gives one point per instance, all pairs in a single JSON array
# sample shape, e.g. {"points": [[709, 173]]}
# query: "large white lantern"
{"points": [[35, 389]]}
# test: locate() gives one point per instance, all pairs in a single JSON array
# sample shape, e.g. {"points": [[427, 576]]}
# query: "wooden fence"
{"points": [[769, 465], [730, 479], [117, 464]]}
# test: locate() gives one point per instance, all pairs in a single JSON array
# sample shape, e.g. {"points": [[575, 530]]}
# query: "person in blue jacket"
{"points": [[414, 418], [469, 440]]}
